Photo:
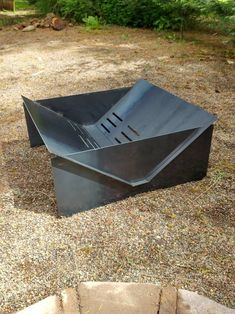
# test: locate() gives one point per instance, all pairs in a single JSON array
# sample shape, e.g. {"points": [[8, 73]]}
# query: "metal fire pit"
{"points": [[111, 144]]}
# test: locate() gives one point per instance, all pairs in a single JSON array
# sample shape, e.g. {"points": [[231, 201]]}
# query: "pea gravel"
{"points": [[183, 236]]}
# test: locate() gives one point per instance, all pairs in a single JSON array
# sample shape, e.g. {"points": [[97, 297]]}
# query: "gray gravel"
{"points": [[183, 236]]}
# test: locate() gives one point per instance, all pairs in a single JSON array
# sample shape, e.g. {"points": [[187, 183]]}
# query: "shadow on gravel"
{"points": [[28, 172]]}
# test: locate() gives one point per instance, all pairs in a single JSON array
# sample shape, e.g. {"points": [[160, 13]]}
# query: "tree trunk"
{"points": [[182, 29], [7, 5]]}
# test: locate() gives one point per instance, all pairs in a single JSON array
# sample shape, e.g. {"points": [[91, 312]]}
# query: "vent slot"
{"points": [[111, 122], [133, 130], [126, 136], [115, 115], [117, 140], [104, 127]]}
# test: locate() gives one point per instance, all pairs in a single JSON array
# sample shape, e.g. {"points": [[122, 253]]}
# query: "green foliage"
{"points": [[32, 1], [223, 12], [23, 4], [46, 6], [91, 22], [160, 14], [76, 9], [117, 12], [10, 21], [223, 8]]}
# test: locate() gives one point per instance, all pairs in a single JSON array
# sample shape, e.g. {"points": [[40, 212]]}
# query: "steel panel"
{"points": [[119, 142]]}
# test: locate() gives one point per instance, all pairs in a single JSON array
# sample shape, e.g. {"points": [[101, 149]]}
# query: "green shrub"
{"points": [[222, 12], [161, 14], [46, 6], [178, 14], [223, 8], [76, 9], [91, 22]]}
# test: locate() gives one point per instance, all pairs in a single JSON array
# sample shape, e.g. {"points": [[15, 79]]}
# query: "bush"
{"points": [[76, 9], [91, 22], [222, 12], [222, 8], [161, 14], [46, 6]]}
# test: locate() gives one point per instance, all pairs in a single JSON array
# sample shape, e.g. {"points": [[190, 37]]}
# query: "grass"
{"points": [[10, 21], [8, 18], [185, 230], [23, 5]]}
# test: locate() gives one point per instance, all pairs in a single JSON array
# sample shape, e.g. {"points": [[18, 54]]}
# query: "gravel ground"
{"points": [[183, 236]]}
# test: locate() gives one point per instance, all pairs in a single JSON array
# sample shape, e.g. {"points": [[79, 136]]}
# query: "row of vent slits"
{"points": [[112, 124]]}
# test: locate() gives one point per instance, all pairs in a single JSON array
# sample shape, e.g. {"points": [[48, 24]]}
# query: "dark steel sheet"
{"points": [[129, 136]]}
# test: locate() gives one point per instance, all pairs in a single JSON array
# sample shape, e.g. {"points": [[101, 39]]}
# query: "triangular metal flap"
{"points": [[134, 162], [148, 111], [61, 135]]}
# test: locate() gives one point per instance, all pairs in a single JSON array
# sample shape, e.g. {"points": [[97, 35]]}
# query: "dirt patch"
{"points": [[183, 236]]}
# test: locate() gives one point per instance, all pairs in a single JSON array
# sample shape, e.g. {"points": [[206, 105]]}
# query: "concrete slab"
{"points": [[193, 303], [116, 298]]}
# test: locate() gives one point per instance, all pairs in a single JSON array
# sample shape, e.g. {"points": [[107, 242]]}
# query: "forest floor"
{"points": [[181, 236]]}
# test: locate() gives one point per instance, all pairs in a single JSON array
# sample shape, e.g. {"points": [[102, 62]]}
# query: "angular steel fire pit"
{"points": [[112, 144]]}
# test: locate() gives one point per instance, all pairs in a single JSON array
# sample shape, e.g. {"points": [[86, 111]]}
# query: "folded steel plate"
{"points": [[108, 145]]}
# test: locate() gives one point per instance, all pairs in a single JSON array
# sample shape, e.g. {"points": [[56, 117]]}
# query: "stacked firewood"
{"points": [[50, 21]]}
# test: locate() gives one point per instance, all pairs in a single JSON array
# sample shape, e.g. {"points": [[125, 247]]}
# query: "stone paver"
{"points": [[70, 301], [192, 303], [168, 301], [116, 298], [50, 305], [126, 298]]}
